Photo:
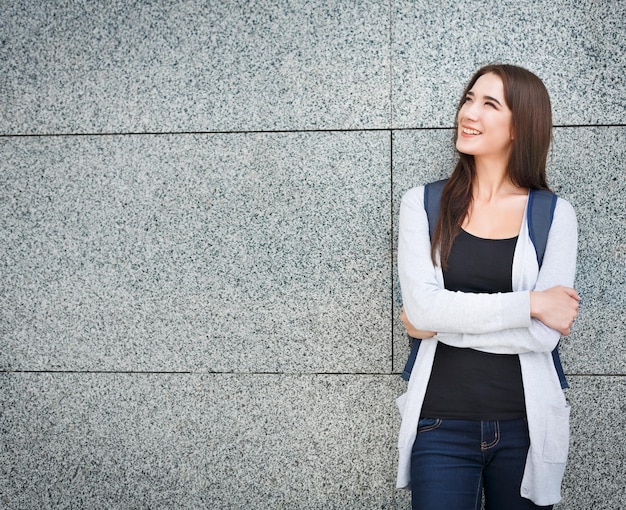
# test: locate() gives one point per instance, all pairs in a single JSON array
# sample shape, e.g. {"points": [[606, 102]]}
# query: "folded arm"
{"points": [[478, 320]]}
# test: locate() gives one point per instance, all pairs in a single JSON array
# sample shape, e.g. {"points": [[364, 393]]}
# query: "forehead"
{"points": [[489, 84]]}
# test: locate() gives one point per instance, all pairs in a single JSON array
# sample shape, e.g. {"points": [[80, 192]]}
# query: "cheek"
{"points": [[506, 129], [508, 126]]}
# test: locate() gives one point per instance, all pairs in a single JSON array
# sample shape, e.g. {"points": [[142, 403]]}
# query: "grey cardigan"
{"points": [[496, 323]]}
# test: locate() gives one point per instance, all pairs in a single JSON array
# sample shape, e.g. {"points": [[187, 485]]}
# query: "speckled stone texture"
{"points": [[198, 309], [225, 441], [197, 441], [577, 48], [193, 66], [239, 252]]}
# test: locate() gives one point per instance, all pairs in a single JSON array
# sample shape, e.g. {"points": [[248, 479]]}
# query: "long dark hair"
{"points": [[529, 102]]}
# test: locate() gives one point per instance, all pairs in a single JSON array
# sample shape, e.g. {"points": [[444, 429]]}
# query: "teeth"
{"points": [[470, 131]]}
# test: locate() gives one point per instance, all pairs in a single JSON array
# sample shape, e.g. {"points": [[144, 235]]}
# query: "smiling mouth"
{"points": [[469, 131]]}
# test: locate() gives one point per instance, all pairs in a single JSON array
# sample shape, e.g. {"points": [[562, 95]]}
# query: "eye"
{"points": [[468, 99], [489, 103]]}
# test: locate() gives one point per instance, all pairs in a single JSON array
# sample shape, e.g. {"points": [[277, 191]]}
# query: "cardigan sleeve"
{"points": [[479, 320], [558, 268], [428, 305]]}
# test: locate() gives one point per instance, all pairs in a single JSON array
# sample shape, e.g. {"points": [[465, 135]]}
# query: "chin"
{"points": [[461, 150]]}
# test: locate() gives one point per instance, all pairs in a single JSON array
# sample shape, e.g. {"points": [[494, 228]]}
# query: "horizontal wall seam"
{"points": [[158, 372], [273, 131]]}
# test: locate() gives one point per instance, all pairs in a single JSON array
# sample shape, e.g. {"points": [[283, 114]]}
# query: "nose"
{"points": [[469, 111]]}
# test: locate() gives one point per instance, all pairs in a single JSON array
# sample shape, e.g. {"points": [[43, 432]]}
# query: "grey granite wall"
{"points": [[198, 210]]}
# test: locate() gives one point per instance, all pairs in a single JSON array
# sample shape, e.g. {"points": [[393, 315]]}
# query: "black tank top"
{"points": [[466, 383]]}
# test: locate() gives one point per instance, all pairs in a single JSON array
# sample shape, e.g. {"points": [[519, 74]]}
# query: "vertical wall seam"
{"points": [[391, 244], [391, 203], [390, 64]]}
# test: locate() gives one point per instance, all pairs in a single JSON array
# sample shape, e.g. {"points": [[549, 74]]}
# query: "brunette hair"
{"points": [[529, 102]]}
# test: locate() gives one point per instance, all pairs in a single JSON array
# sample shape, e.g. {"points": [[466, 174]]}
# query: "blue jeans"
{"points": [[454, 461]]}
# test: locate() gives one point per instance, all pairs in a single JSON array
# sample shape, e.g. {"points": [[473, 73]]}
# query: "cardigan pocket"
{"points": [[401, 402], [557, 435]]}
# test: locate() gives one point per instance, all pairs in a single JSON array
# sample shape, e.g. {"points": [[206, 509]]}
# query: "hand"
{"points": [[410, 329], [556, 307]]}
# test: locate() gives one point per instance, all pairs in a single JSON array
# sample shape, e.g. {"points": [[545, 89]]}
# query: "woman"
{"points": [[484, 411]]}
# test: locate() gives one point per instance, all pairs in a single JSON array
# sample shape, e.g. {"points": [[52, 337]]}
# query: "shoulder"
{"points": [[414, 196], [412, 211], [564, 212], [564, 229]]}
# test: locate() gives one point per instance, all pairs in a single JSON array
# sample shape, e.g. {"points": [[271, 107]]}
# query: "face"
{"points": [[484, 121]]}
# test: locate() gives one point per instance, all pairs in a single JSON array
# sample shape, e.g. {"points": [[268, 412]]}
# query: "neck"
{"points": [[491, 178]]}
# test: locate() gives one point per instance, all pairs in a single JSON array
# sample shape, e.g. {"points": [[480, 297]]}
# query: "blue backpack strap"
{"points": [[408, 366], [541, 206], [432, 199], [432, 202], [540, 211]]}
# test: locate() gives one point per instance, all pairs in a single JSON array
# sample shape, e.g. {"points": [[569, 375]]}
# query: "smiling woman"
{"points": [[484, 412], [510, 109]]}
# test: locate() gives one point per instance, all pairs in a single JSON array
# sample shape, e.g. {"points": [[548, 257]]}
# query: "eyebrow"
{"points": [[490, 98]]}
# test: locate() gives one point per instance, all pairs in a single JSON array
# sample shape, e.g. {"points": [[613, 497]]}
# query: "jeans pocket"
{"points": [[427, 424], [557, 435]]}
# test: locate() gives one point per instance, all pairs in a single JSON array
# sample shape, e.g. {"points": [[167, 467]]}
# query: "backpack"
{"points": [[540, 211]]}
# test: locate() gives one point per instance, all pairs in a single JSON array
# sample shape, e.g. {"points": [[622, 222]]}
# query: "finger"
{"points": [[572, 293]]}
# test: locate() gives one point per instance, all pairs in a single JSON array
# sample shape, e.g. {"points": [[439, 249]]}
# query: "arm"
{"points": [[553, 303], [428, 305], [412, 331]]}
